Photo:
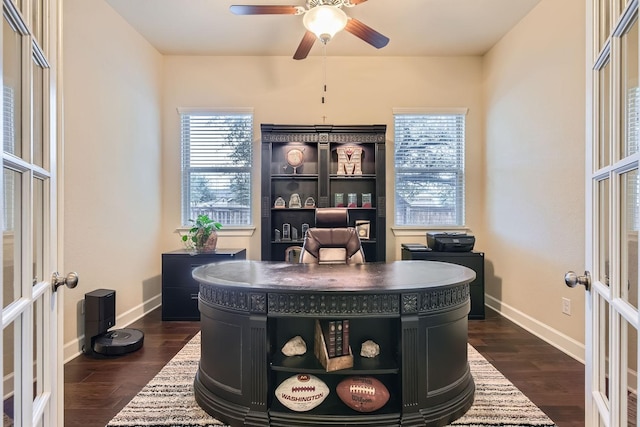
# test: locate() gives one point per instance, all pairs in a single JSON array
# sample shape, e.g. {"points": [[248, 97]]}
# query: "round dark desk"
{"points": [[415, 310]]}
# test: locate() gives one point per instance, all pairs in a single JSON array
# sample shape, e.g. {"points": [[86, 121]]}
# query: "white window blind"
{"points": [[429, 169], [9, 145], [631, 147], [216, 166]]}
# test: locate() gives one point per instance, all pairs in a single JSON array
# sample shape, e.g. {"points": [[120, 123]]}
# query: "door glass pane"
{"points": [[630, 96], [8, 369], [629, 237], [38, 230], [12, 90], [628, 415], [604, 120], [38, 111], [38, 357], [11, 236], [602, 208], [602, 349]]}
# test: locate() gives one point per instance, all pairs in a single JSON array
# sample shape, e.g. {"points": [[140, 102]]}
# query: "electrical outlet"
{"points": [[566, 306]]}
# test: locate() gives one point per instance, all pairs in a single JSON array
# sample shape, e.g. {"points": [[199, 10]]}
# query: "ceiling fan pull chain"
{"points": [[324, 71]]}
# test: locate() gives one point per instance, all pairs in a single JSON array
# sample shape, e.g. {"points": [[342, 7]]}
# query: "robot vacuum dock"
{"points": [[100, 315]]}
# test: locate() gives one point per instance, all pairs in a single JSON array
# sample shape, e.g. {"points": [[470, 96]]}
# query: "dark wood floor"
{"points": [[97, 388]]}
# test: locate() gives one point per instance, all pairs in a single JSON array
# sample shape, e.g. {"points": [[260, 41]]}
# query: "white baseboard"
{"points": [[557, 339], [73, 348]]}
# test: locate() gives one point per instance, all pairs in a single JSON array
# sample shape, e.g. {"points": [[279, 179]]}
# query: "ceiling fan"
{"points": [[322, 19]]}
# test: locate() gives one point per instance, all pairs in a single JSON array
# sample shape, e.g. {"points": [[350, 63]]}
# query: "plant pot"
{"points": [[209, 245]]}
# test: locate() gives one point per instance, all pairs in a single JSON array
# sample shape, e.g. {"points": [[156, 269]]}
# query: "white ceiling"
{"points": [[415, 27]]}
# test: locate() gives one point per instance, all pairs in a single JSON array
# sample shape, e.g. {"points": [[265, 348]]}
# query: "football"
{"points": [[302, 392], [364, 394]]}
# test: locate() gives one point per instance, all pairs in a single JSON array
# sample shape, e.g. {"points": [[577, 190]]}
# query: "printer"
{"points": [[443, 241]]}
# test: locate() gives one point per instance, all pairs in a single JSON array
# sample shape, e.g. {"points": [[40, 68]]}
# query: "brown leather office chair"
{"points": [[332, 241]]}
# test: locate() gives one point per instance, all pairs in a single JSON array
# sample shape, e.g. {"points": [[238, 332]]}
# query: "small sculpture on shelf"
{"points": [[286, 231], [294, 201], [295, 347], [310, 202], [279, 203], [352, 200], [349, 160], [366, 200], [369, 349]]}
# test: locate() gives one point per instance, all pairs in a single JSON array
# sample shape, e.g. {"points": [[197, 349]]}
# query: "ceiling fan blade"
{"points": [[305, 45], [366, 33], [263, 10], [356, 2]]}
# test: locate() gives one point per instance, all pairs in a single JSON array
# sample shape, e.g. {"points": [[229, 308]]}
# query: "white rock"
{"points": [[295, 347], [369, 349]]}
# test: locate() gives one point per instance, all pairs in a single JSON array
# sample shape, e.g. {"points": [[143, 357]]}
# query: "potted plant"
{"points": [[202, 236]]}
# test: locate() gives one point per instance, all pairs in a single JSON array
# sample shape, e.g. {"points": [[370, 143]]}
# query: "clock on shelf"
{"points": [[295, 158]]}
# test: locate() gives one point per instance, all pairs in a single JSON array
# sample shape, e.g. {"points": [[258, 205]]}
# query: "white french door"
{"points": [[612, 194], [29, 343]]}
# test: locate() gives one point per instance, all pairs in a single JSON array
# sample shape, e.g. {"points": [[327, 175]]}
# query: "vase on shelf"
{"points": [[211, 243]]}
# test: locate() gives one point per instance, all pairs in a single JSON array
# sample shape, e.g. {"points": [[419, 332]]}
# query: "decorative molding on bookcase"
{"points": [[291, 137], [355, 137]]}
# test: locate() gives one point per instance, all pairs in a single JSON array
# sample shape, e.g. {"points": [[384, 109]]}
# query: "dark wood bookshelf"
{"points": [[318, 177]]}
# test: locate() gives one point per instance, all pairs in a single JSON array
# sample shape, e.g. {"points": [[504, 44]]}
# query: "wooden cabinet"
{"points": [[473, 260], [179, 289], [331, 166]]}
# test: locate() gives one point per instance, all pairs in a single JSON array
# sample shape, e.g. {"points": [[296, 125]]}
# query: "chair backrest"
{"points": [[332, 241]]}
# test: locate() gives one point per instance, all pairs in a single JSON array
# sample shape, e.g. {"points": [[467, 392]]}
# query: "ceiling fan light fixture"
{"points": [[325, 21]]}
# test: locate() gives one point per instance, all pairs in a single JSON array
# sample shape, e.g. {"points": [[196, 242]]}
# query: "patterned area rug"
{"points": [[167, 400]]}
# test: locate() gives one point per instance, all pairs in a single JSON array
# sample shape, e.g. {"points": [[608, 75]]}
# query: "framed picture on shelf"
{"points": [[362, 228]]}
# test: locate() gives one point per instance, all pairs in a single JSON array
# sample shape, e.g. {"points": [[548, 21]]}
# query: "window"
{"points": [[216, 166], [429, 168]]}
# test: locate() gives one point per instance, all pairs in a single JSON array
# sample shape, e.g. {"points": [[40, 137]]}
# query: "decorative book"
{"points": [[321, 347]]}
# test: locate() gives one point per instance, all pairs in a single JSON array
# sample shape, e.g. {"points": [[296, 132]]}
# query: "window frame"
{"points": [[460, 209], [186, 170]]}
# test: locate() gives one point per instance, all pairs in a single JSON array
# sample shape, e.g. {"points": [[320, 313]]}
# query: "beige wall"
{"points": [[281, 90], [112, 211], [534, 88], [524, 162]]}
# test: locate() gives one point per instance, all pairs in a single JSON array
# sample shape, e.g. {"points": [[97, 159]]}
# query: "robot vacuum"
{"points": [[118, 341]]}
